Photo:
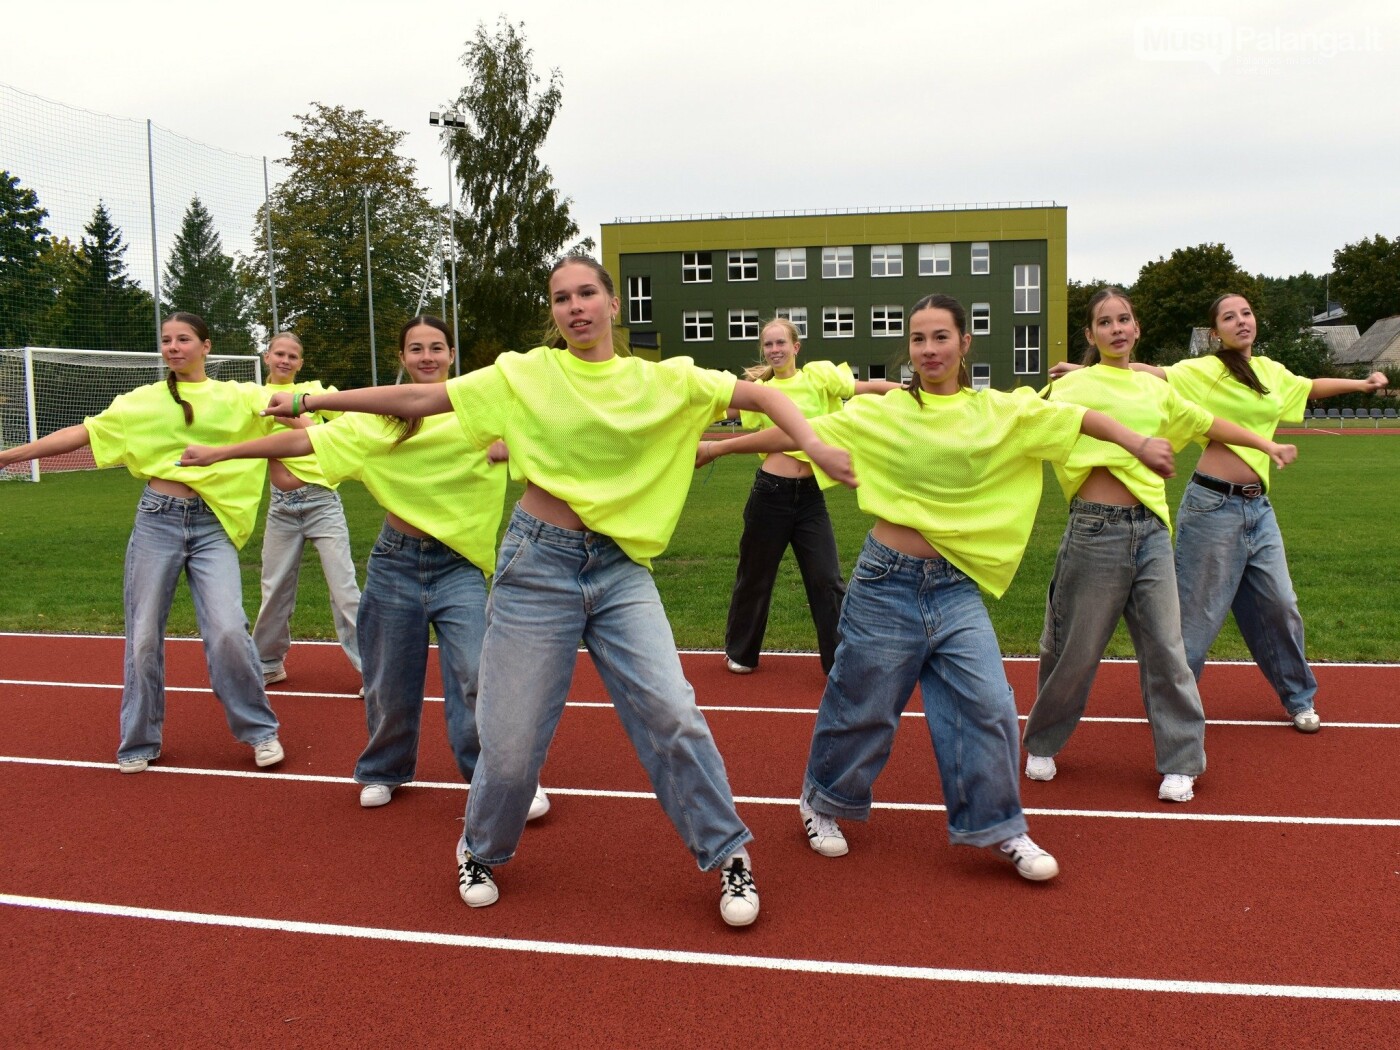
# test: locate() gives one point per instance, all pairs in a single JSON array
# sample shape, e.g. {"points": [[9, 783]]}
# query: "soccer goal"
{"points": [[43, 389]]}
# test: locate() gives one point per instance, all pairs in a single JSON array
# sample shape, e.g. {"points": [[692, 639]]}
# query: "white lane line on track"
{"points": [[714, 959], [1271, 723], [750, 800]]}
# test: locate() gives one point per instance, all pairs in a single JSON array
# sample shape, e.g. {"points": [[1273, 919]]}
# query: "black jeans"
{"points": [[783, 512]]}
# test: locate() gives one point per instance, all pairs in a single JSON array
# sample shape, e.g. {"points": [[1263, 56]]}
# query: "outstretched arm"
{"points": [[285, 444], [770, 439], [411, 401], [69, 439], [835, 462], [1155, 453], [1234, 434], [1372, 384]]}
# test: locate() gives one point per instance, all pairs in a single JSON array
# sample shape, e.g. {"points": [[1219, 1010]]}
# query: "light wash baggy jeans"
{"points": [[553, 588], [1116, 562], [314, 513], [1230, 557], [918, 621], [171, 535]]}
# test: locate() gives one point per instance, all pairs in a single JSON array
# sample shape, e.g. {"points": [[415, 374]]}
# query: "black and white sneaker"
{"points": [[474, 882], [738, 899]]}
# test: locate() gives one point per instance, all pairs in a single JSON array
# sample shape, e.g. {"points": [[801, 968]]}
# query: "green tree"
{"points": [[338, 156], [200, 279], [102, 307], [25, 294], [1366, 280], [513, 223], [1171, 296], [1302, 353], [1289, 303]]}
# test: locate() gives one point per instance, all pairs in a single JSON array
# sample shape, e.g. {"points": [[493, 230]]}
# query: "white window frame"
{"points": [[693, 271], [981, 376], [746, 263], [639, 299], [981, 260], [935, 260], [886, 320], [838, 322], [838, 262], [743, 325], [1023, 349], [980, 318], [797, 315], [698, 326], [790, 264], [1026, 297], [887, 260]]}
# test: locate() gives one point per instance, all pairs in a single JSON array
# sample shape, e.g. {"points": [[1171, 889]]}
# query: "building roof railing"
{"points": [[807, 212]]}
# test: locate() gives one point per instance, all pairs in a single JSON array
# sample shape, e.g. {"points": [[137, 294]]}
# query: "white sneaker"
{"points": [[279, 675], [133, 765], [372, 795], [539, 806], [1177, 787], [823, 833], [1307, 721], [1031, 861], [268, 753], [738, 898], [1040, 768], [474, 882], [736, 668]]}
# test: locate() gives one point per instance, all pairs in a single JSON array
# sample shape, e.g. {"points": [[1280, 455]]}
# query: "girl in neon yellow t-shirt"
{"points": [[606, 446], [187, 520], [953, 478], [1115, 560], [786, 508]]}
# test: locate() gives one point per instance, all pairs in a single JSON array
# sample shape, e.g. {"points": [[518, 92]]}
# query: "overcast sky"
{"points": [[1268, 126]]}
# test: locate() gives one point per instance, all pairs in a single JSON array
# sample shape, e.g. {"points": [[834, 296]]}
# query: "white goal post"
{"points": [[43, 389]]}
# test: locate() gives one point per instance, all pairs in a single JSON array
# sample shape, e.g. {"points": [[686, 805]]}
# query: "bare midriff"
{"points": [[549, 508], [1103, 486], [1221, 461], [282, 478], [782, 465], [399, 525], [172, 488], [903, 539]]}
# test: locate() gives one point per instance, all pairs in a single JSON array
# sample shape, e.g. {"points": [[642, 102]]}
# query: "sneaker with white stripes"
{"points": [[1031, 861], [738, 897], [823, 833], [474, 882]]}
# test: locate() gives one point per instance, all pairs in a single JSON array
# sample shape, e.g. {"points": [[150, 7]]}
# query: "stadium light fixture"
{"points": [[446, 121]]}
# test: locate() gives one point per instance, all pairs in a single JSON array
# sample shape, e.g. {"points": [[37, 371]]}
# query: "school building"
{"points": [[702, 286]]}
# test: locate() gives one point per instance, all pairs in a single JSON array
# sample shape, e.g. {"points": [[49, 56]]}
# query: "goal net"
{"points": [[44, 389]]}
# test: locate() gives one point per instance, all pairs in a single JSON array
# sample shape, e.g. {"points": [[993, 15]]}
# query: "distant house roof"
{"points": [[1334, 314], [1379, 347], [1339, 337]]}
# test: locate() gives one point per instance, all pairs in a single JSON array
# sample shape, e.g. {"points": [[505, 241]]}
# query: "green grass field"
{"points": [[62, 543]]}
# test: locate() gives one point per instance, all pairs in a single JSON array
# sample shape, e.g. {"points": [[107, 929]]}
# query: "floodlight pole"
{"points": [[369, 282], [451, 120]]}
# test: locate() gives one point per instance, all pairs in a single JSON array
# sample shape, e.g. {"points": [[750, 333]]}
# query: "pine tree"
{"points": [[200, 279], [104, 309]]}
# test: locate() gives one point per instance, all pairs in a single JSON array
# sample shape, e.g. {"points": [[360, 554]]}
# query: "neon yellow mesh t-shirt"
{"points": [[1141, 402], [433, 481], [613, 439], [305, 468], [144, 430], [964, 469], [818, 388], [1206, 381]]}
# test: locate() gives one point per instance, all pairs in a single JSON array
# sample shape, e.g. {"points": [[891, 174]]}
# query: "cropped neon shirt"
{"points": [[144, 430], [964, 470], [305, 468], [432, 480], [1206, 381], [818, 388], [613, 439], [1141, 402]]}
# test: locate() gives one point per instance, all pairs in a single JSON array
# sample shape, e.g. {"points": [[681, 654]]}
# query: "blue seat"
{"points": [[1390, 413], [1334, 413], [1376, 416]]}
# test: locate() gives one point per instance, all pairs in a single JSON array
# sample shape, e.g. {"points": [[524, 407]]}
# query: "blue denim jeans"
{"points": [[173, 535], [314, 513], [1229, 557], [413, 584], [783, 512], [905, 622], [1116, 562], [554, 587]]}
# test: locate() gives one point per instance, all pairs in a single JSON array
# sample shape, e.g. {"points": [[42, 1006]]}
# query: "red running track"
{"points": [[206, 903]]}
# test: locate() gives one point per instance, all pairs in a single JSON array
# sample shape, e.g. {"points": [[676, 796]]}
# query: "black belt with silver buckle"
{"points": [[1251, 491]]}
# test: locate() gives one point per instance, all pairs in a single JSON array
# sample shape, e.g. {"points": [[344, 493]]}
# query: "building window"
{"points": [[935, 260], [981, 377], [743, 324], [696, 268], [838, 262], [1027, 350], [981, 319], [981, 257], [639, 300], [1027, 295], [887, 260], [839, 322], [790, 264], [697, 326], [743, 266], [797, 315], [886, 320], [877, 371]]}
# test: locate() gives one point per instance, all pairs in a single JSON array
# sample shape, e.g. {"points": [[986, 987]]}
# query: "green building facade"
{"points": [[702, 287]]}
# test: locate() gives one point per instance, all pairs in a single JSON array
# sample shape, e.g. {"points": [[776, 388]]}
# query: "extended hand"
{"points": [[836, 463], [1063, 368], [199, 456], [1156, 454], [280, 405], [1282, 455]]}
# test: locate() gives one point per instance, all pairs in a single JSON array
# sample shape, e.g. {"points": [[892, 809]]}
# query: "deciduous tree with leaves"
{"points": [[1366, 279], [200, 278], [1172, 296], [513, 222]]}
